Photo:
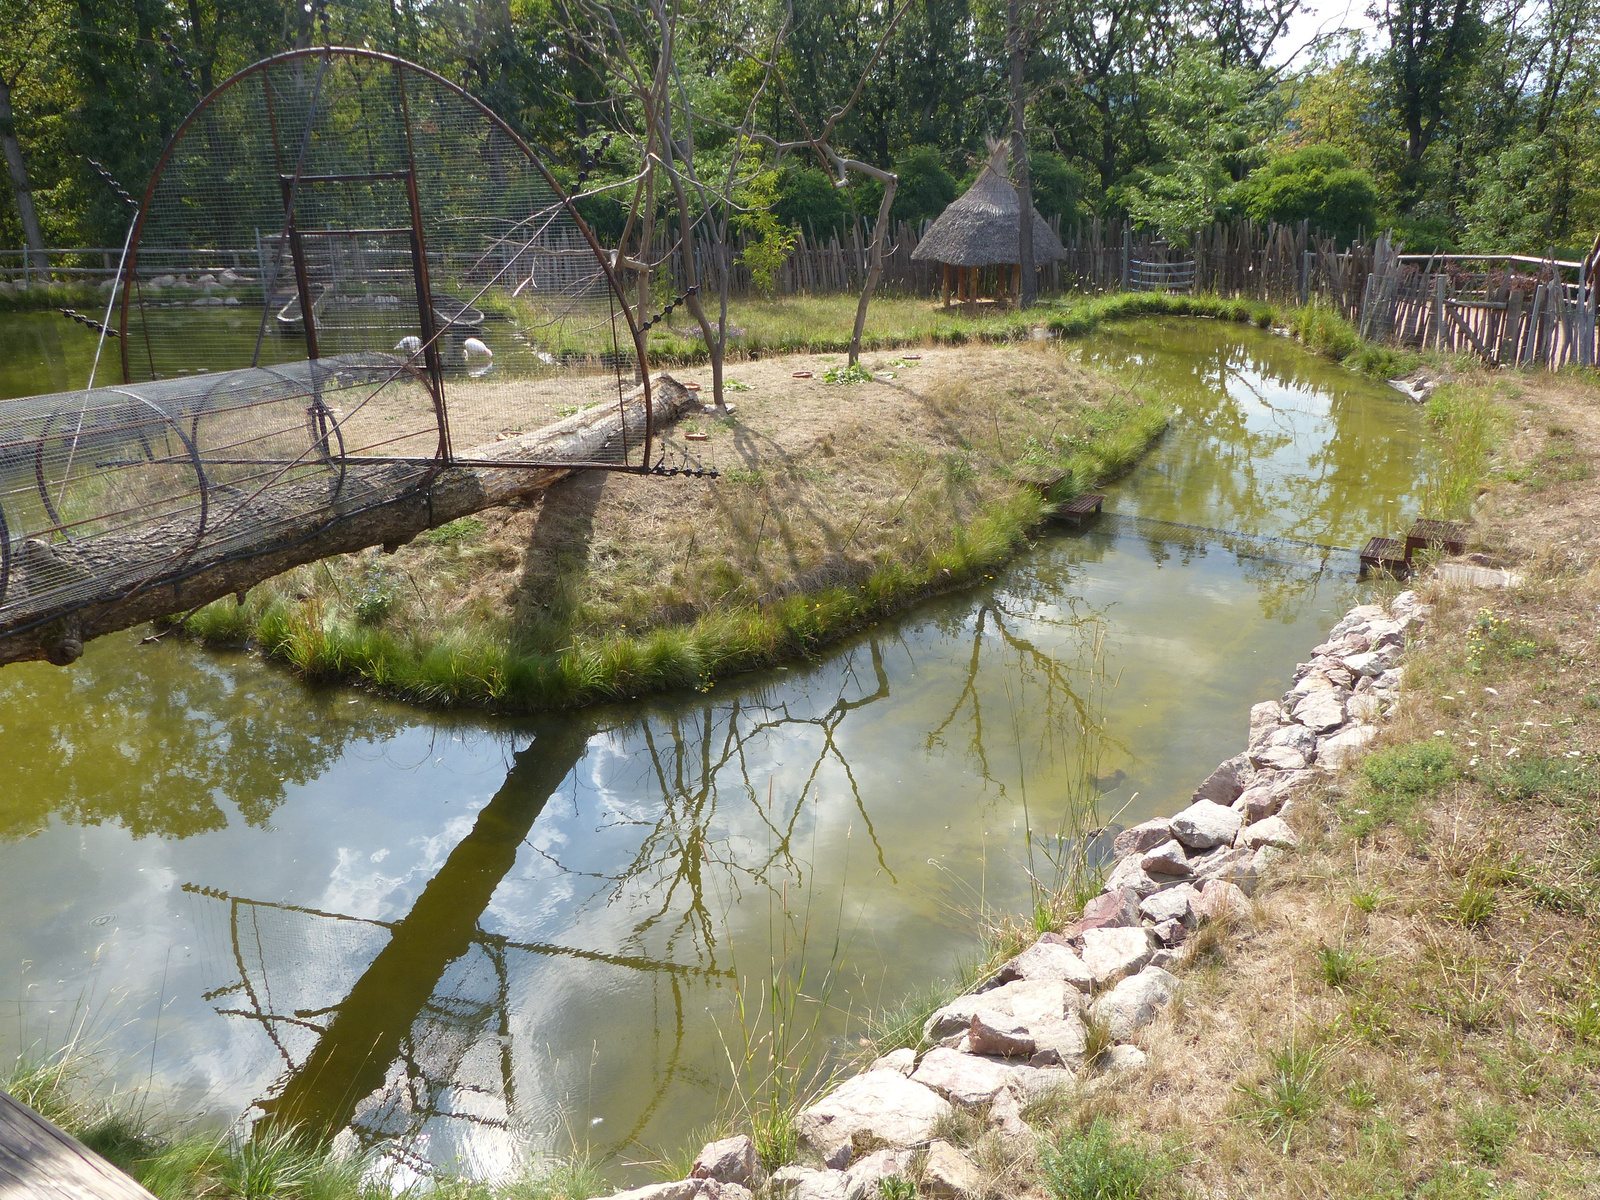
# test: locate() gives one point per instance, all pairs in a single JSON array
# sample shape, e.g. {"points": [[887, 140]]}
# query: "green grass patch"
{"points": [[1393, 780], [1097, 1164]]}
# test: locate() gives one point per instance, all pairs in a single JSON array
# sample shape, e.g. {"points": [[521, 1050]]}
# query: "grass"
{"points": [[1414, 1010], [86, 297], [1097, 1164], [837, 507]]}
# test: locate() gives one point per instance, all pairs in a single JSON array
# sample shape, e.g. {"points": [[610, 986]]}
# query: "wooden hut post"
{"points": [[1016, 282], [944, 288]]}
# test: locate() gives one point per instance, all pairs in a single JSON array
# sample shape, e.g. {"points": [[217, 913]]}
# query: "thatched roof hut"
{"points": [[979, 229]]}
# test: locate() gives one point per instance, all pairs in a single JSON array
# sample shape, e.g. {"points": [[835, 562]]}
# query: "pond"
{"points": [[467, 939]]}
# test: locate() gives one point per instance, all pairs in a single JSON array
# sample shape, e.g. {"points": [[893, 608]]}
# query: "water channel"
{"points": [[470, 938]]}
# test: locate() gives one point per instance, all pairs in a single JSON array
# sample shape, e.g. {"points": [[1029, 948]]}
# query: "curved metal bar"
{"points": [[5, 556], [38, 474], [194, 458]]}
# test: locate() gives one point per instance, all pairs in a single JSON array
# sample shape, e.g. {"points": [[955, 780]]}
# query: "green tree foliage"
{"points": [[1314, 183], [808, 201], [925, 186]]}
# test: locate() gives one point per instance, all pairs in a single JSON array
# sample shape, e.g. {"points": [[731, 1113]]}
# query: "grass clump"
{"points": [[1394, 779], [1289, 1092], [1096, 1164]]}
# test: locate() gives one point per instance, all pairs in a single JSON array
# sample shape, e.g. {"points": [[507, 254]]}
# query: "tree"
{"points": [[1316, 184], [33, 30]]}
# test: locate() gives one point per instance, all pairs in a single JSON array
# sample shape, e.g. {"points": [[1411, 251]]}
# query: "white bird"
{"points": [[473, 346], [411, 345]]}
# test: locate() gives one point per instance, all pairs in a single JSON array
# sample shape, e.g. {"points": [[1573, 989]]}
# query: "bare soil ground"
{"points": [[1413, 1006], [818, 483]]}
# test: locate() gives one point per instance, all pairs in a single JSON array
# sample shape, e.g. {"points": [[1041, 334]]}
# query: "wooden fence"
{"points": [[1506, 309]]}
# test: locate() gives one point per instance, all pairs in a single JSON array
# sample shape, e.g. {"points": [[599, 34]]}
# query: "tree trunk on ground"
{"points": [[1016, 38], [21, 188]]}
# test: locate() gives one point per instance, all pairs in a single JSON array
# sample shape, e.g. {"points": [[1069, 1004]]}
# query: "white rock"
{"points": [[1224, 784], [1280, 758], [803, 1183], [1219, 898], [1112, 953], [862, 1179], [1050, 960], [1321, 712], [1272, 831], [969, 1080], [1173, 904], [1129, 874], [683, 1189], [1391, 679], [903, 1060], [948, 1174], [1343, 748], [1169, 858], [1140, 838], [1204, 824], [871, 1111], [1059, 1043], [731, 1160], [1266, 716], [1363, 709], [1025, 1002], [1266, 858], [1134, 1002], [1124, 1058], [1374, 662], [1357, 618], [1229, 864]]}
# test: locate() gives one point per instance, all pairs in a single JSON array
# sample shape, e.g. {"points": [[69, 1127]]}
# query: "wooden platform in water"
{"points": [[1084, 506], [1450, 535], [40, 1162], [1385, 554]]}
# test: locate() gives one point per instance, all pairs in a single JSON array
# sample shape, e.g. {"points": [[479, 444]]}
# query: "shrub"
{"points": [[1095, 1164], [1318, 184]]}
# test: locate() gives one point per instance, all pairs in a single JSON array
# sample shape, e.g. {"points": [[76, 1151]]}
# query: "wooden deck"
{"points": [[40, 1162], [1385, 554], [1450, 535], [1085, 506]]}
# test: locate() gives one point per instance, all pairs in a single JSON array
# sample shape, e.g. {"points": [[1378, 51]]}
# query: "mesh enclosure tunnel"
{"points": [[347, 276]]}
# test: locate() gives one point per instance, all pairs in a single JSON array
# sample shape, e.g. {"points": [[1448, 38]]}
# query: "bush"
{"points": [[925, 187], [808, 201], [1097, 1165], [1315, 183]]}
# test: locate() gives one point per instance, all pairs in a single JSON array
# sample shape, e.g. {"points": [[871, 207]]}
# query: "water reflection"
{"points": [[463, 938]]}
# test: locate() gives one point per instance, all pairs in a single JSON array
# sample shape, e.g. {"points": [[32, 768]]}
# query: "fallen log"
{"points": [[381, 504]]}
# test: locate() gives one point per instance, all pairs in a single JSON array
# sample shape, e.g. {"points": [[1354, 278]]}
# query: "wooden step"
{"points": [[40, 1162], [1450, 535], [1384, 554], [1087, 505]]}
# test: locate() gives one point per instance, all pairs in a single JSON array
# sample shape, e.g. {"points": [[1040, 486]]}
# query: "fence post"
{"points": [[1127, 254], [1305, 277]]}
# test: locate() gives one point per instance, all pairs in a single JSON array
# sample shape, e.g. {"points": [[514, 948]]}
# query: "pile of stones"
{"points": [[1026, 1031]]}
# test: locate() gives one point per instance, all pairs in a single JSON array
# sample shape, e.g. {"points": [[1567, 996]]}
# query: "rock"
{"points": [[1271, 831], [1386, 634], [1224, 784], [1112, 953], [683, 1189], [1168, 858], [1203, 825], [1409, 605], [1050, 960], [1295, 737], [166, 281], [1134, 1002], [1030, 1083], [731, 1160], [1351, 643], [862, 1179], [1343, 748], [1141, 838], [1266, 858], [1321, 712], [1264, 718], [803, 1183], [871, 1111], [969, 1080], [903, 1060], [1219, 898], [948, 1174], [1229, 864], [1280, 758], [1025, 1002], [1000, 1039], [1168, 933], [1129, 875], [1112, 907], [1124, 1058], [1167, 959], [1363, 709], [1059, 1043], [1172, 904], [1374, 662], [1310, 684], [1390, 680], [1356, 618], [1006, 1111]]}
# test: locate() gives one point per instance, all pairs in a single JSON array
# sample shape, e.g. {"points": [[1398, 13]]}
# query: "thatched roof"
{"points": [[980, 228]]}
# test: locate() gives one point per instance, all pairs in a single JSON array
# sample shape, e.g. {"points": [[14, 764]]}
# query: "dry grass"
{"points": [[822, 486], [1414, 1009]]}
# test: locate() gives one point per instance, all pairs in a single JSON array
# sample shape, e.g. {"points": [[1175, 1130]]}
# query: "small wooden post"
{"points": [[944, 286], [1016, 282], [1511, 330]]}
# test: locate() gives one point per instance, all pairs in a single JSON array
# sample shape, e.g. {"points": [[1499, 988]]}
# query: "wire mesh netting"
{"points": [[407, 289]]}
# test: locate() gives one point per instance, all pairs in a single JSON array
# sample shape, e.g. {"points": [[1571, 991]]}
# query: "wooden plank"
{"points": [[40, 1162]]}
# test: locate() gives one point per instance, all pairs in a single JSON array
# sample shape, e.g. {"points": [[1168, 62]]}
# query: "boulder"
{"points": [[1271, 831], [1049, 960], [871, 1111], [1264, 718], [1373, 662], [1059, 1043], [1112, 953], [1321, 712], [1168, 933], [1310, 684], [1341, 749], [1112, 907], [1141, 838], [1134, 1002], [1280, 758], [1025, 1002], [1124, 1058], [803, 1183], [1169, 858], [1357, 618], [1129, 875], [1224, 784], [1171, 904], [903, 1060], [1204, 824], [682, 1189], [1219, 898], [862, 1179], [968, 1080], [731, 1160], [1409, 605], [948, 1174], [1390, 680], [1363, 710], [1174, 956], [1229, 864]]}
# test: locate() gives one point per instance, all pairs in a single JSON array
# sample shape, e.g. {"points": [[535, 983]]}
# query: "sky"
{"points": [[1323, 16]]}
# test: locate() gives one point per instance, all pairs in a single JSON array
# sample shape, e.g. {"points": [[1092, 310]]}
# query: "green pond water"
{"points": [[470, 939]]}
